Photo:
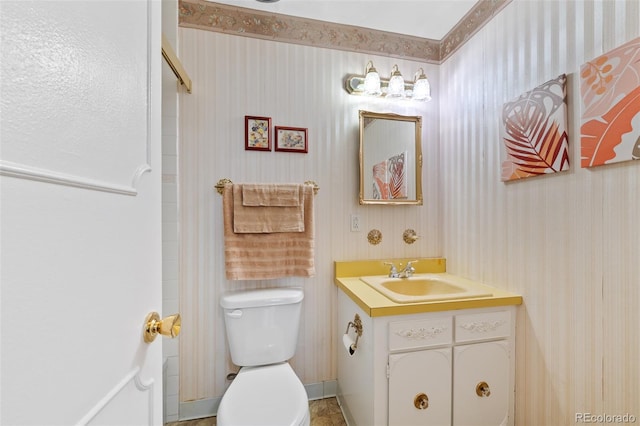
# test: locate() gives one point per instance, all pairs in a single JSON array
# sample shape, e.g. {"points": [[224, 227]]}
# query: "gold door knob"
{"points": [[482, 389], [421, 401], [153, 325]]}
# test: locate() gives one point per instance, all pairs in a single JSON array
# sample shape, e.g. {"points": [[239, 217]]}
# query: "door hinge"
{"points": [[388, 371]]}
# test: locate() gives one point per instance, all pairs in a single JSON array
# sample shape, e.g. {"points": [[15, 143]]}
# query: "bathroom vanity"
{"points": [[444, 361]]}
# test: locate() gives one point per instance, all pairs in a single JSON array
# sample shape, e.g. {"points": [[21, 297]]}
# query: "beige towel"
{"points": [[267, 218], [268, 255], [272, 194]]}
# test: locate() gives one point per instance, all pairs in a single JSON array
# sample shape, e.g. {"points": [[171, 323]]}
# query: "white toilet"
{"points": [[262, 330]]}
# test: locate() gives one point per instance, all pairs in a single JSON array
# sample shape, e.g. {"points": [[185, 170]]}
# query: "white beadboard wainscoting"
{"points": [[297, 86], [569, 242]]}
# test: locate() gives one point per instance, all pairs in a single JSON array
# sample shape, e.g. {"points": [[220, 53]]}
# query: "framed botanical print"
{"points": [[291, 139], [257, 132]]}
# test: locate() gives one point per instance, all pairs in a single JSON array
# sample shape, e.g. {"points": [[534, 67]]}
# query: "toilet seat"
{"points": [[270, 395]]}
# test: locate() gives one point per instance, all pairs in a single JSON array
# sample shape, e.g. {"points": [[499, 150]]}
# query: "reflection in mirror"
{"points": [[390, 159]]}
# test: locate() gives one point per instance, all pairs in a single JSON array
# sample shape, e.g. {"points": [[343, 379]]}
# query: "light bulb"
{"points": [[421, 88], [371, 81], [396, 84]]}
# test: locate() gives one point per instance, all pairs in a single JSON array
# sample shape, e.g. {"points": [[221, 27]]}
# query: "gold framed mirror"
{"points": [[390, 159]]}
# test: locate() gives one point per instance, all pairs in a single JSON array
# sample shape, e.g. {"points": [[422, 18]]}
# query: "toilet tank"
{"points": [[262, 325]]}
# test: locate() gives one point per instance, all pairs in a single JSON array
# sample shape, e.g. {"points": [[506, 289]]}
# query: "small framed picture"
{"points": [[257, 133], [291, 139]]}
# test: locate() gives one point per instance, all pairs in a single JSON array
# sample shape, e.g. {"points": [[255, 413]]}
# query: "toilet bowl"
{"points": [[262, 330], [269, 395]]}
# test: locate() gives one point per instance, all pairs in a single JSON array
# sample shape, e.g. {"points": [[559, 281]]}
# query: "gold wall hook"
{"points": [[153, 325]]}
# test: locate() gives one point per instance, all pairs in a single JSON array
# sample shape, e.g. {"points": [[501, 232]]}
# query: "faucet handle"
{"points": [[393, 272], [409, 269]]}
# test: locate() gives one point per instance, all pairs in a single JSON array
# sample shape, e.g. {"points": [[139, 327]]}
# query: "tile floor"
{"points": [[324, 412]]}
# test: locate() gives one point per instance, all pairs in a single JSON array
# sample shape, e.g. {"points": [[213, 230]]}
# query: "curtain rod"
{"points": [[174, 63]]}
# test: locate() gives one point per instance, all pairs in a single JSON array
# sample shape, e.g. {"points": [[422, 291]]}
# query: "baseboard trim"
{"points": [[201, 408], [348, 418]]}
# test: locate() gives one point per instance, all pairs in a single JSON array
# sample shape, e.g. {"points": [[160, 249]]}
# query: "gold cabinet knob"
{"points": [[153, 325], [482, 389], [421, 401]]}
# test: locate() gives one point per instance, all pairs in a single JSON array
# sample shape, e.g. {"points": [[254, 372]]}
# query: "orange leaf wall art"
{"points": [[390, 178], [534, 132], [610, 92]]}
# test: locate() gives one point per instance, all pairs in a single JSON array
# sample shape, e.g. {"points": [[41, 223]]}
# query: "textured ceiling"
{"points": [[431, 19]]}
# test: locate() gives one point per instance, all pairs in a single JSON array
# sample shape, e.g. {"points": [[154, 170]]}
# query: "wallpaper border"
{"points": [[210, 16]]}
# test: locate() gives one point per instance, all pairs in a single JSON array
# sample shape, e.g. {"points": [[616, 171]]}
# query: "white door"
{"points": [[80, 206]]}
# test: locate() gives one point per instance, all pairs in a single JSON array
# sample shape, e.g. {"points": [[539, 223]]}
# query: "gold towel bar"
{"points": [[222, 182]]}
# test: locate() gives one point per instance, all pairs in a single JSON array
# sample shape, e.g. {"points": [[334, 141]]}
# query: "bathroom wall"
{"points": [[569, 242], [297, 86]]}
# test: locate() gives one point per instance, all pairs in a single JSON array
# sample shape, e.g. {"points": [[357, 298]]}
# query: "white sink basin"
{"points": [[426, 288]]}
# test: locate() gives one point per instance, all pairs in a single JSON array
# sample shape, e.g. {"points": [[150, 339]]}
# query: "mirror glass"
{"points": [[390, 159]]}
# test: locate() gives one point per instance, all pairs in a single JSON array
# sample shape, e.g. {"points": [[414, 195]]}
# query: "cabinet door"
{"points": [[420, 388], [481, 384]]}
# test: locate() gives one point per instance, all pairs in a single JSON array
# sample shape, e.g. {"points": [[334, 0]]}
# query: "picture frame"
{"points": [[257, 133], [291, 139]]}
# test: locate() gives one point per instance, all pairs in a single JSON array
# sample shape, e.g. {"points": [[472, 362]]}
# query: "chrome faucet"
{"points": [[406, 272]]}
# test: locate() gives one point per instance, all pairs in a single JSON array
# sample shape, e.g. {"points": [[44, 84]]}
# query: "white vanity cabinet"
{"points": [[434, 368]]}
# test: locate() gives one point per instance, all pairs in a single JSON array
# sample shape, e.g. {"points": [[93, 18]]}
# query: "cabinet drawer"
{"points": [[415, 334], [483, 326]]}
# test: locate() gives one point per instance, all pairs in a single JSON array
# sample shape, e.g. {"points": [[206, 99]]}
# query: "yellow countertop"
{"points": [[347, 277]]}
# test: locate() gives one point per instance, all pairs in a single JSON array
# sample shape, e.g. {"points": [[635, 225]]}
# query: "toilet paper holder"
{"points": [[357, 325]]}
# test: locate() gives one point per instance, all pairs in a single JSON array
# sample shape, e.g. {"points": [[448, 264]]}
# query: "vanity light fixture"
{"points": [[396, 84], [395, 87]]}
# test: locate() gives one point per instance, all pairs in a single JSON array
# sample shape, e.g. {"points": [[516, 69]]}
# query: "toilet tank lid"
{"points": [[262, 297]]}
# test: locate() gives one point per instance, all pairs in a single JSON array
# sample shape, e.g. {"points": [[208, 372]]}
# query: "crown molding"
{"points": [[217, 17]]}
